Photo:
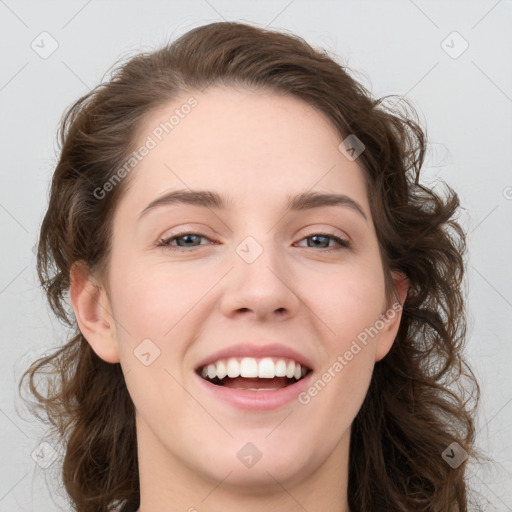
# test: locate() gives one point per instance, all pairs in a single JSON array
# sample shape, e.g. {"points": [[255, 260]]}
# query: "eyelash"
{"points": [[165, 242]]}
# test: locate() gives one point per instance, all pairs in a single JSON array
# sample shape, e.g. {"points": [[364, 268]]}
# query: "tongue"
{"points": [[255, 383]]}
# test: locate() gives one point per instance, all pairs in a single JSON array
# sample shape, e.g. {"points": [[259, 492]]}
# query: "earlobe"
{"points": [[392, 315], [93, 313]]}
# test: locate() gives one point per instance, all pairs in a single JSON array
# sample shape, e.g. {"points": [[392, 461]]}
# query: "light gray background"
{"points": [[394, 47]]}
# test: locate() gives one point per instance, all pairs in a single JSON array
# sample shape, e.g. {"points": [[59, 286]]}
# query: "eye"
{"points": [[320, 238], [188, 240]]}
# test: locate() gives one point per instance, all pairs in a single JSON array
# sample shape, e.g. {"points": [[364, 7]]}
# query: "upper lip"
{"points": [[257, 351]]}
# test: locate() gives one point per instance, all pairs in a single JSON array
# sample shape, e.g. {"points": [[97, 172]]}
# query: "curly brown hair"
{"points": [[420, 396]]}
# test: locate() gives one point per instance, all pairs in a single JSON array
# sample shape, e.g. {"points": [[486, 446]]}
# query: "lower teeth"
{"points": [[219, 382], [258, 389]]}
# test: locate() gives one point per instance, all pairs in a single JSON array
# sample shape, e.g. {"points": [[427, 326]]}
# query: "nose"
{"points": [[261, 284]]}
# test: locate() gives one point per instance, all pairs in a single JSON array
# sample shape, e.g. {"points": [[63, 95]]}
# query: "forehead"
{"points": [[253, 145]]}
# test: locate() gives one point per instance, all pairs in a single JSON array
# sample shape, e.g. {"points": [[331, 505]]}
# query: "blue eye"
{"points": [[189, 240], [327, 236], [188, 237]]}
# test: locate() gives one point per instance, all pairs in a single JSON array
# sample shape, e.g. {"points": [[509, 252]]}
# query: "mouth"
{"points": [[269, 374]]}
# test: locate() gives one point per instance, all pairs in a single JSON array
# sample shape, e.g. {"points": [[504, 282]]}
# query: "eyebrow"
{"points": [[213, 200]]}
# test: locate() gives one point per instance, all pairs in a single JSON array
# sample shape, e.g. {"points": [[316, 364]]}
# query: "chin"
{"points": [[260, 462]]}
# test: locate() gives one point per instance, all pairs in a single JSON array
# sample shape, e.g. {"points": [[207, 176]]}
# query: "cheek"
{"points": [[153, 297], [349, 304], [347, 299]]}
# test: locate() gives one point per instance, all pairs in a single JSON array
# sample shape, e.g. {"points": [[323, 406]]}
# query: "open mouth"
{"points": [[252, 374]]}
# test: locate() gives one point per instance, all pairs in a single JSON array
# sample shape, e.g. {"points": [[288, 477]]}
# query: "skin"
{"points": [[258, 148]]}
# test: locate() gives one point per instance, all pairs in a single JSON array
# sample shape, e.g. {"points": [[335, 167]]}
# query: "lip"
{"points": [[257, 351], [257, 400]]}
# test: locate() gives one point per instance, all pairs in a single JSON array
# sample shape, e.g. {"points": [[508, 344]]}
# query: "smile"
{"points": [[255, 383]]}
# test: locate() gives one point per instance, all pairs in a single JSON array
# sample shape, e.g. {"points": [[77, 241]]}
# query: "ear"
{"points": [[391, 316], [93, 313]]}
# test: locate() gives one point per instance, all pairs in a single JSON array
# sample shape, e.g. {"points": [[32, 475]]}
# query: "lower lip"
{"points": [[257, 400]]}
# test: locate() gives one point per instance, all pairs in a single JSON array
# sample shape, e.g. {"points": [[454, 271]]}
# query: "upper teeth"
{"points": [[249, 367]]}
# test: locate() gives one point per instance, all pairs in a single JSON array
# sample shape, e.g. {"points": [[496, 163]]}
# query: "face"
{"points": [[194, 284]]}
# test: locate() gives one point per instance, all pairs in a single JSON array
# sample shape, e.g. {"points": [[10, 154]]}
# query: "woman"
{"points": [[267, 303]]}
